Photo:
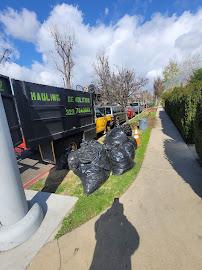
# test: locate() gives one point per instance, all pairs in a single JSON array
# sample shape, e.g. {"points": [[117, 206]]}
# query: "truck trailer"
{"points": [[48, 118]]}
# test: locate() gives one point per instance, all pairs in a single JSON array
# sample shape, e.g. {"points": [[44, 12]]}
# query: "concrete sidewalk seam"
{"points": [[59, 254]]}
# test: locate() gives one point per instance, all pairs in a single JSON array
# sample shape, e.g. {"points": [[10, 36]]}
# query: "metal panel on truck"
{"points": [[51, 113], [10, 109]]}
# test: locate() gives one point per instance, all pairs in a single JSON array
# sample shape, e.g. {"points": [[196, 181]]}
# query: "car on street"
{"points": [[138, 108], [130, 112], [116, 112]]}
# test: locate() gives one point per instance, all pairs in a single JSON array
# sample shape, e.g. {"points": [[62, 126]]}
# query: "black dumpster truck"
{"points": [[49, 118]]}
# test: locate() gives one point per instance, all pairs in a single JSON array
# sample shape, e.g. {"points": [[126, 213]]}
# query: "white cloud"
{"points": [[146, 47], [190, 41], [106, 11], [38, 73], [22, 25]]}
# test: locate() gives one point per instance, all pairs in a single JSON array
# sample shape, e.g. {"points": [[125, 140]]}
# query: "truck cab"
{"points": [[116, 113], [103, 122]]}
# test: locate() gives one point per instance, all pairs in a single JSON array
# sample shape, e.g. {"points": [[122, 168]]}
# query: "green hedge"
{"points": [[198, 131], [181, 105]]}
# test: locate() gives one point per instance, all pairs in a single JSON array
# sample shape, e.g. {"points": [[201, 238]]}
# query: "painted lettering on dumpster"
{"points": [[83, 104], [77, 111], [78, 99], [46, 97]]}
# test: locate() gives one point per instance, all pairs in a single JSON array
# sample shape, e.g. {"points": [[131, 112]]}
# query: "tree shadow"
{"points": [[117, 240], [180, 157]]}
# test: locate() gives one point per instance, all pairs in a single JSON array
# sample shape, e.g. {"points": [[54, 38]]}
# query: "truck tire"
{"points": [[62, 162], [64, 147]]}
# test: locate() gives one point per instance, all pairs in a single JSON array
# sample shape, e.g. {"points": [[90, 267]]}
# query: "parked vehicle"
{"points": [[116, 112], [130, 112], [103, 122], [138, 108], [51, 119]]}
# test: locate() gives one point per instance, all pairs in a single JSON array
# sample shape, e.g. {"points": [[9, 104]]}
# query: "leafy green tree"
{"points": [[196, 76], [170, 74]]}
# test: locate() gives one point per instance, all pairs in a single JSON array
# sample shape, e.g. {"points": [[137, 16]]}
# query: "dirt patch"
{"points": [[151, 122], [151, 109]]}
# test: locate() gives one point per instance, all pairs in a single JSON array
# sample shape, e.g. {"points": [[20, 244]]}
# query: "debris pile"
{"points": [[91, 163]]}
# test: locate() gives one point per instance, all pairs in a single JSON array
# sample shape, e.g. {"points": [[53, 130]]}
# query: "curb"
{"points": [[35, 179]]}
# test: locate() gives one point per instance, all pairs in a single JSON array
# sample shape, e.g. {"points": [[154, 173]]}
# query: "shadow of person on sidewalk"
{"points": [[116, 239], [180, 157]]}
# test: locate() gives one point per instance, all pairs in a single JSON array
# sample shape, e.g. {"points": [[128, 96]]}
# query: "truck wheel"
{"points": [[62, 161]]}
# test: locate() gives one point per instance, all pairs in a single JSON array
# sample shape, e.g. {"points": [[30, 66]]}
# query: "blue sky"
{"points": [[129, 31], [94, 12]]}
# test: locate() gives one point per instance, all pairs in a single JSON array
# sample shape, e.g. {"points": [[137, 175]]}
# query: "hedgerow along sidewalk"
{"points": [[163, 205]]}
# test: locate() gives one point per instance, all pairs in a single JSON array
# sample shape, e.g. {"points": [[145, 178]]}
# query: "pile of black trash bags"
{"points": [[93, 162]]}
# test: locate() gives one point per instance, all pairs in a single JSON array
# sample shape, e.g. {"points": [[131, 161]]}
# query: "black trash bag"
{"points": [[121, 158], [127, 129], [133, 141], [62, 163], [115, 137], [121, 150], [129, 147], [91, 164]]}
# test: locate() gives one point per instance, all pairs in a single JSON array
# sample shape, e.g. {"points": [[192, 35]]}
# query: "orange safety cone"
{"points": [[136, 136]]}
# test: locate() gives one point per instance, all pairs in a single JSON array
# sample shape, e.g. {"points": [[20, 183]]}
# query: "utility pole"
{"points": [[17, 221]]}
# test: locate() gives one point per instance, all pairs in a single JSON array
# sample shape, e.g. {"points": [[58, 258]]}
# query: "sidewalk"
{"points": [[156, 225]]}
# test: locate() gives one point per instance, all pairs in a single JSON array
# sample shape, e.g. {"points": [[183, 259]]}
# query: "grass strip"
{"points": [[90, 206]]}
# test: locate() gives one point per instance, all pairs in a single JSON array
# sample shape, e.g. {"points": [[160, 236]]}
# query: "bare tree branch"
{"points": [[5, 56], [64, 45], [103, 73], [127, 85], [158, 88], [116, 87]]}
